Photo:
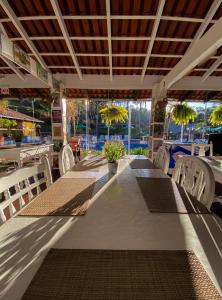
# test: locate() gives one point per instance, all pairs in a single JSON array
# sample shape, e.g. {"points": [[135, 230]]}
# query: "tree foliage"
{"points": [[183, 114], [216, 116], [3, 105], [6, 123], [114, 113]]}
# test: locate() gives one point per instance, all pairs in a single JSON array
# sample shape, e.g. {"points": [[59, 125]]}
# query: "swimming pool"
{"points": [[98, 146]]}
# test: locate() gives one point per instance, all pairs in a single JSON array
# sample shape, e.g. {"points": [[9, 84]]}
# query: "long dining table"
{"points": [[215, 162]]}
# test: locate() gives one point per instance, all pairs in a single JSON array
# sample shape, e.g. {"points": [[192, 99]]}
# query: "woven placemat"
{"points": [[163, 195], [120, 275], [142, 164], [65, 197]]}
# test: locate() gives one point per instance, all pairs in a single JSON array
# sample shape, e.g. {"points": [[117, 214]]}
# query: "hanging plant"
{"points": [[183, 114], [216, 116], [114, 113]]}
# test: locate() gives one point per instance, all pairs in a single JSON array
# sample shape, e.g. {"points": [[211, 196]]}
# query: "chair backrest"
{"points": [[74, 143], [162, 159], [20, 187], [201, 149], [66, 159], [196, 177]]}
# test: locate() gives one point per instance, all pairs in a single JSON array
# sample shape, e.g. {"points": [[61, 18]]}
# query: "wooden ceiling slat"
{"points": [[90, 46], [131, 27], [177, 29], [131, 7], [83, 7], [36, 28], [31, 7], [10, 29], [123, 27], [186, 8]]}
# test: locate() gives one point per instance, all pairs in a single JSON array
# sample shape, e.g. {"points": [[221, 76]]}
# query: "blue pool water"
{"points": [[100, 145]]}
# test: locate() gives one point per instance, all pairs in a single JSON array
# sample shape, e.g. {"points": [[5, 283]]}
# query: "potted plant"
{"points": [[182, 115], [216, 116], [17, 136], [113, 151]]}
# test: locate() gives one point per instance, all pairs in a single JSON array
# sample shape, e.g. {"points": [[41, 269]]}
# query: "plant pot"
{"points": [[2, 140], [113, 166], [18, 144]]}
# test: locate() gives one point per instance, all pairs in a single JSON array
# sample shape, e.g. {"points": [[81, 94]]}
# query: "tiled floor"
{"points": [[118, 218]]}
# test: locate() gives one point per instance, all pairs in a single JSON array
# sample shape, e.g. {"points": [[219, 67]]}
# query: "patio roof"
{"points": [[12, 114], [140, 38]]}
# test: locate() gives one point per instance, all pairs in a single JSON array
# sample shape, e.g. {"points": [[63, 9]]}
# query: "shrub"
{"points": [[113, 150], [17, 136], [140, 151]]}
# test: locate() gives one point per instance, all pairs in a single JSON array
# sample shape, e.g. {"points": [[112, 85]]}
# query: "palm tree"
{"points": [[114, 113], [182, 115], [216, 116], [72, 111]]}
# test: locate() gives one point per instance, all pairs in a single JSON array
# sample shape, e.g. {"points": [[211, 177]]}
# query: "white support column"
{"points": [[109, 37], [65, 33], [58, 121], [159, 102], [153, 36]]}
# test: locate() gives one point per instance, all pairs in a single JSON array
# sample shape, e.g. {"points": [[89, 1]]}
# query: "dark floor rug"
{"points": [[163, 195], [142, 164], [65, 197], [120, 275]]}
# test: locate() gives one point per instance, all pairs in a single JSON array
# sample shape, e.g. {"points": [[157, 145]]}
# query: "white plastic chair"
{"points": [[66, 160], [200, 149], [24, 184], [196, 177], [162, 159]]}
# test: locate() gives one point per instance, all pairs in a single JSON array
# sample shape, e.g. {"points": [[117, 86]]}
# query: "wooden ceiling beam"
{"points": [[57, 11], [202, 49], [113, 17], [153, 36], [109, 34], [207, 20], [13, 18]]}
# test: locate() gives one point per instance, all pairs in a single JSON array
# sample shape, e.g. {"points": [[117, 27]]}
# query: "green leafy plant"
{"points": [[113, 113], [3, 105], [182, 115], [17, 136], [6, 123], [113, 150], [216, 116], [140, 151]]}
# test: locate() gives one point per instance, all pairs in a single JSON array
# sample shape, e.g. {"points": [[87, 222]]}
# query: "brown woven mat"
{"points": [[120, 275], [163, 195], [65, 197], [142, 164], [90, 165]]}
